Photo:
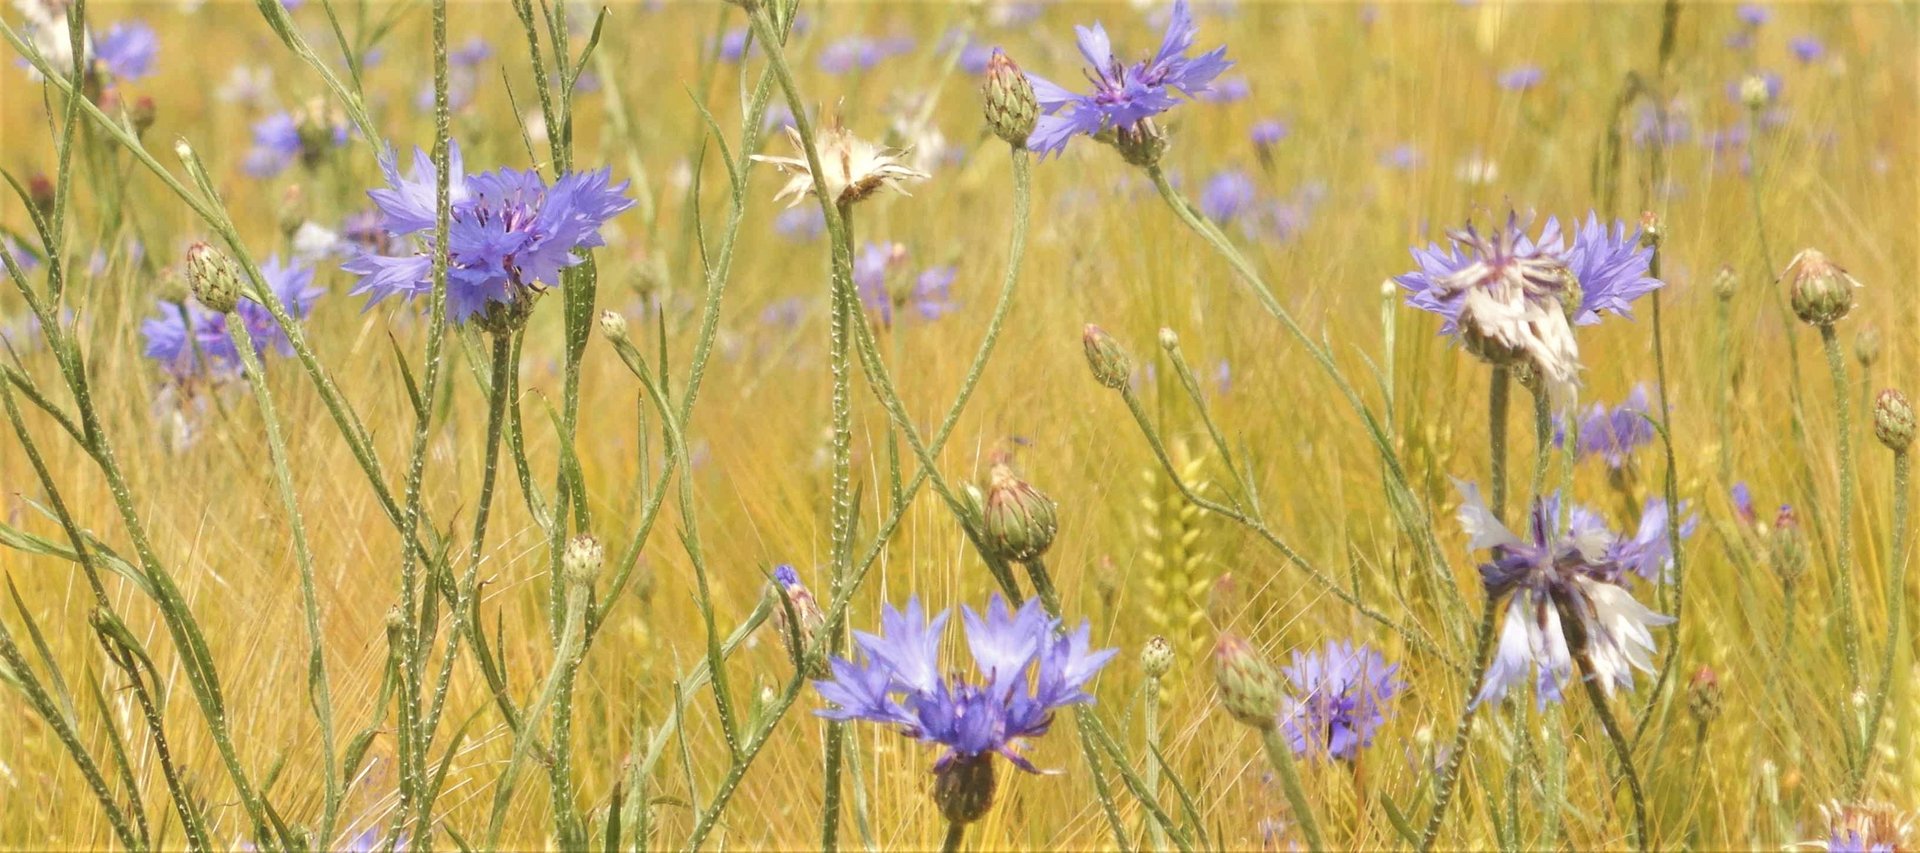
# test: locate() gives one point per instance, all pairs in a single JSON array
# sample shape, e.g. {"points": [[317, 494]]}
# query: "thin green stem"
{"points": [[1621, 749], [1280, 754], [1450, 773], [1896, 597], [1497, 393], [1849, 620]]}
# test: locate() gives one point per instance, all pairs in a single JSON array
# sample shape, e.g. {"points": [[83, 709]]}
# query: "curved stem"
{"points": [[1896, 595], [1620, 748]]}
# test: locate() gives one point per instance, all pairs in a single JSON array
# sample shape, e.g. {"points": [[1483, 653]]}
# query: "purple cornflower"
{"points": [[126, 50], [1504, 292], [1555, 571], [1743, 503], [190, 341], [931, 293], [1807, 48], [1520, 78], [510, 235], [1335, 705], [862, 53], [1404, 156], [1123, 96], [1649, 129], [1228, 194], [281, 138], [471, 53], [1024, 668], [733, 45], [1614, 434], [1752, 14]]}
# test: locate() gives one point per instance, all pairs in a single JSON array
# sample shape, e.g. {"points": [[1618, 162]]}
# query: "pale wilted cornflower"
{"points": [[1552, 577], [855, 169], [1865, 827]]}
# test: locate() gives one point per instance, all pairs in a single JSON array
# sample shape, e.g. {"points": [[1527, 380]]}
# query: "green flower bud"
{"points": [[1156, 657], [613, 325], [1726, 282], [581, 561], [1018, 521], [1110, 363], [1822, 291], [1249, 687], [214, 278], [964, 788], [1866, 345], [1011, 106], [1893, 420], [1703, 696], [1140, 145]]}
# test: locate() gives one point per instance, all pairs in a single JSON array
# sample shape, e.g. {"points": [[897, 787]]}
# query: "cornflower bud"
{"points": [[1893, 420], [1018, 521], [1822, 291], [581, 561], [1110, 363], [1789, 546], [613, 325], [1703, 696], [1725, 283], [1249, 686], [1156, 657], [142, 114], [214, 278], [40, 191], [1866, 345], [1011, 108]]}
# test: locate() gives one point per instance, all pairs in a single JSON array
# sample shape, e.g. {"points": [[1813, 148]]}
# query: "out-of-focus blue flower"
{"points": [[1807, 48], [1520, 78], [126, 50], [1770, 82], [190, 341], [1336, 702], [282, 138], [1267, 133], [1743, 503], [1752, 14], [1649, 129], [1404, 156], [1614, 434], [1649, 552], [471, 53], [1229, 193], [1024, 669], [1228, 90], [862, 53], [875, 273], [800, 224], [1555, 570], [511, 234], [1123, 96], [733, 45]]}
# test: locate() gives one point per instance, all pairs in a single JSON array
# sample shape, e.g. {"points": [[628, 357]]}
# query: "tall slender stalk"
{"points": [[1621, 749], [1896, 597], [1849, 620]]}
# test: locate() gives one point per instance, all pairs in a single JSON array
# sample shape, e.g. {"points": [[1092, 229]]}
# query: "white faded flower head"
{"points": [[46, 29], [854, 168]]}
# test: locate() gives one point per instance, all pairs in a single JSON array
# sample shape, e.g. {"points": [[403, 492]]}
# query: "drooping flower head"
{"points": [[853, 168], [1123, 95], [190, 341], [1335, 704], [1510, 296], [1024, 669], [511, 233], [1566, 596]]}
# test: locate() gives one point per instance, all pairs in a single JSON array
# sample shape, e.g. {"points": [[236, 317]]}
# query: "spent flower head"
{"points": [[852, 169]]}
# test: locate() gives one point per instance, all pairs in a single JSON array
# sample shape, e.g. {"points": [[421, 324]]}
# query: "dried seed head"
{"points": [[1018, 521], [214, 278], [582, 559], [1893, 420], [1156, 657], [1110, 363], [1011, 108], [1249, 686], [1822, 291]]}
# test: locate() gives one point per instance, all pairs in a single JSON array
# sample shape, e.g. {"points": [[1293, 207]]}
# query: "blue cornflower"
{"points": [[1335, 705], [1648, 552], [174, 340], [1267, 133], [1403, 157], [1228, 90], [1752, 14], [931, 293], [1025, 668], [1649, 129], [1520, 78], [511, 234], [471, 53], [1743, 503], [1123, 96], [733, 45], [1557, 573], [126, 50]]}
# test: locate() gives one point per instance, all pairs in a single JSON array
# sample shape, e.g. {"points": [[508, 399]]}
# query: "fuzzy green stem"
{"points": [[1150, 721], [1450, 773], [1497, 394], [1896, 596], [1849, 624], [1280, 754], [1621, 749]]}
